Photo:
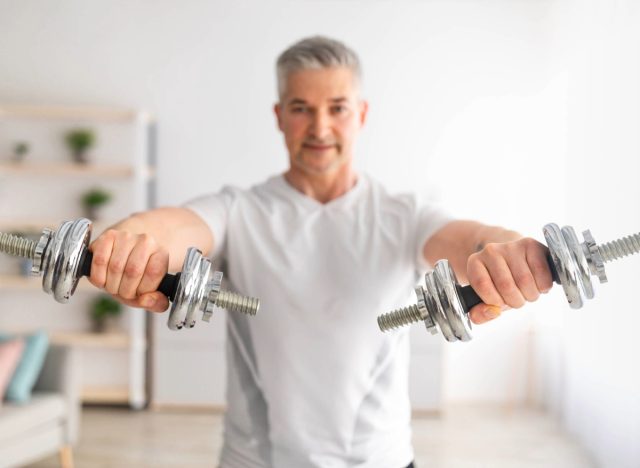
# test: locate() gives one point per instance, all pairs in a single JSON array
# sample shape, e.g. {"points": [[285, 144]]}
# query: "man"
{"points": [[312, 382]]}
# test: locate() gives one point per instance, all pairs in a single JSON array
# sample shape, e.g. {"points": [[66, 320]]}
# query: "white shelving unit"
{"points": [[43, 190]]}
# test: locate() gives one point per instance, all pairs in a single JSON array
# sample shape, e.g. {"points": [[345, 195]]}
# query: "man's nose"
{"points": [[320, 125]]}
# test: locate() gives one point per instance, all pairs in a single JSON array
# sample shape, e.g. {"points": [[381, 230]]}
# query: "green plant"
{"points": [[79, 141], [95, 197], [104, 307], [20, 149]]}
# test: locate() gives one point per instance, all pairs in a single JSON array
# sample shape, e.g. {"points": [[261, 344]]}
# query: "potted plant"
{"points": [[105, 311], [79, 141], [93, 200], [20, 150]]}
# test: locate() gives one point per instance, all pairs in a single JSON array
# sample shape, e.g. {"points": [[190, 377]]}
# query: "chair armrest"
{"points": [[61, 374]]}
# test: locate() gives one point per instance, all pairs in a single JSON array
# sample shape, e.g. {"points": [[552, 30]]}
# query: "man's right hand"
{"points": [[130, 267]]}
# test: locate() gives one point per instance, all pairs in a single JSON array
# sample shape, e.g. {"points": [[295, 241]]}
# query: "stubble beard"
{"points": [[310, 169]]}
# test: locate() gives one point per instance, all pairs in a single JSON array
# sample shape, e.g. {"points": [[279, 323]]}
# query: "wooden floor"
{"points": [[462, 437]]}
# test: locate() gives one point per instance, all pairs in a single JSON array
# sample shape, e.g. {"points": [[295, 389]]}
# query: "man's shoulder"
{"points": [[269, 185]]}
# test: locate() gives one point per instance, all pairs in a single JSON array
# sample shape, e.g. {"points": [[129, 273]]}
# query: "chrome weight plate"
{"points": [[61, 260], [191, 292]]}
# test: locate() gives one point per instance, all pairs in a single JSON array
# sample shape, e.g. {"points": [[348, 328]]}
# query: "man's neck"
{"points": [[322, 187]]}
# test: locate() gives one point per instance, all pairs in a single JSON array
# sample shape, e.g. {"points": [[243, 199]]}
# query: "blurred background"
{"points": [[512, 112]]}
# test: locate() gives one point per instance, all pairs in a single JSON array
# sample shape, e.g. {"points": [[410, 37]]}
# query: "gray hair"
{"points": [[315, 53]]}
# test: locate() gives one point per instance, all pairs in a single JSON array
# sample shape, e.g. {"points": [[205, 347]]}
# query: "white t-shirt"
{"points": [[312, 382]]}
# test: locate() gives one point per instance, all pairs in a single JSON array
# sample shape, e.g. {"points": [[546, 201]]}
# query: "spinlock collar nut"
{"points": [[424, 312], [594, 258], [41, 246], [214, 289]]}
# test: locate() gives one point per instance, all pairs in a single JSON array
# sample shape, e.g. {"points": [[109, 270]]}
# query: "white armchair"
{"points": [[50, 422]]}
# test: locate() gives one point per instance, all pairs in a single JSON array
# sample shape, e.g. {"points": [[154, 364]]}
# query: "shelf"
{"points": [[101, 114], [125, 164], [112, 395], [34, 227], [112, 340], [27, 226], [69, 169], [29, 283]]}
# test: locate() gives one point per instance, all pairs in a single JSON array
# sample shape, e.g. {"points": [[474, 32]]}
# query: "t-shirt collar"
{"points": [[342, 201]]}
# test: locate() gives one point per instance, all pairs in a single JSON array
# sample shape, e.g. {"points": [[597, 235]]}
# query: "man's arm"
{"points": [[504, 268], [131, 258]]}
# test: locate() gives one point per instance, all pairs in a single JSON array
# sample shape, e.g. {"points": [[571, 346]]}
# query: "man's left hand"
{"points": [[506, 276]]}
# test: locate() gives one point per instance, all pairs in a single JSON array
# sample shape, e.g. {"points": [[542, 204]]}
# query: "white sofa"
{"points": [[49, 423]]}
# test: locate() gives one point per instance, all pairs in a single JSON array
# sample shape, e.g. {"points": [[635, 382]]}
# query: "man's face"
{"points": [[320, 115]]}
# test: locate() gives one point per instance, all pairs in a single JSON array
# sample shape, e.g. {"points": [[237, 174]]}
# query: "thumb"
{"points": [[153, 301], [482, 313]]}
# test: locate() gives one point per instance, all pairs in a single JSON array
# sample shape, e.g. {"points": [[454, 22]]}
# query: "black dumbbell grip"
{"points": [[168, 286], [470, 298]]}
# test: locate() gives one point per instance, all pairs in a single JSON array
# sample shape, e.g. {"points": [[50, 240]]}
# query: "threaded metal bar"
{"points": [[17, 246], [399, 318], [619, 248], [236, 303]]}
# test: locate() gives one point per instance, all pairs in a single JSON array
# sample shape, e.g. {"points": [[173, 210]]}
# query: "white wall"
{"points": [[466, 106], [588, 371]]}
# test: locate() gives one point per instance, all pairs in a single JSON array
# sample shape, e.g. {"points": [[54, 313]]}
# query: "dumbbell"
{"points": [[62, 257], [443, 304]]}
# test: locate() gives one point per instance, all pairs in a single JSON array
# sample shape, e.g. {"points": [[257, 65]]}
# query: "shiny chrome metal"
{"points": [[399, 318], [17, 246], [438, 306], [442, 297], [214, 289], [38, 254], [594, 258], [237, 303], [191, 290], [58, 256], [61, 260], [573, 261], [619, 248], [564, 264], [407, 315], [199, 291]]}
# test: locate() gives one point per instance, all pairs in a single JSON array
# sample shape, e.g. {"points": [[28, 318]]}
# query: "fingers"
{"points": [[130, 267], [122, 248], [153, 302], [508, 275], [101, 249], [157, 267], [482, 313], [481, 281], [537, 260]]}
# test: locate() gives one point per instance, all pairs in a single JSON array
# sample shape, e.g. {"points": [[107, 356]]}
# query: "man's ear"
{"points": [[364, 111], [277, 109]]}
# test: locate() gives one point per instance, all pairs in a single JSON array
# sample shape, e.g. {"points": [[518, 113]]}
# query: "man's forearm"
{"points": [[459, 239], [175, 229]]}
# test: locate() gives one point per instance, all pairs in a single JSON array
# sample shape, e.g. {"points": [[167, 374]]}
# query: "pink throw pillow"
{"points": [[10, 354]]}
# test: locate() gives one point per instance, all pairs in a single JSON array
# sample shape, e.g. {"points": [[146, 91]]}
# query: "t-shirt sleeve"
{"points": [[214, 210], [430, 218]]}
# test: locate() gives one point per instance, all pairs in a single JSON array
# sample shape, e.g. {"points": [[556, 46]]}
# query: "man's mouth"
{"points": [[319, 146]]}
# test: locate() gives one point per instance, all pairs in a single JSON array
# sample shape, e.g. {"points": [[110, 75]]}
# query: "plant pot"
{"points": [[80, 157], [109, 324], [93, 212]]}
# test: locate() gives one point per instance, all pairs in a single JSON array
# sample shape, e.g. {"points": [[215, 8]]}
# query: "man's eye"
{"points": [[338, 109], [298, 110]]}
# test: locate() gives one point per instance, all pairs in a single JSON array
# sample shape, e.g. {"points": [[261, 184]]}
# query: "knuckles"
{"points": [[155, 269], [116, 266], [504, 284], [133, 270], [482, 285], [530, 243]]}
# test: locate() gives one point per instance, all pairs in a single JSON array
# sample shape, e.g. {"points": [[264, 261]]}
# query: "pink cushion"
{"points": [[10, 354]]}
